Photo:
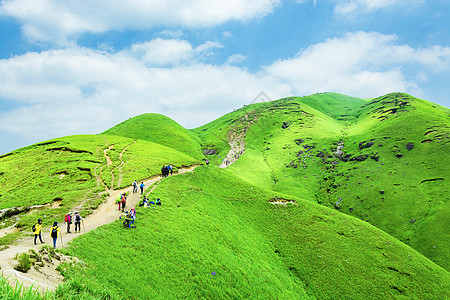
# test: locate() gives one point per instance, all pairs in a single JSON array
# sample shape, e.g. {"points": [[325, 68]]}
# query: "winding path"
{"points": [[106, 213]]}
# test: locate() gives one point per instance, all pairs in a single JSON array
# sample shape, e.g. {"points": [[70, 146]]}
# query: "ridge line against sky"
{"points": [[75, 67]]}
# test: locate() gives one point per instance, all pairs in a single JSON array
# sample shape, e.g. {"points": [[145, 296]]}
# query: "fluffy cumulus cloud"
{"points": [[347, 7], [61, 21], [360, 64], [79, 90]]}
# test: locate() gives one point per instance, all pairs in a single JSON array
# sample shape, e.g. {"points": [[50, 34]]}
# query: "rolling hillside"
{"points": [[333, 197]]}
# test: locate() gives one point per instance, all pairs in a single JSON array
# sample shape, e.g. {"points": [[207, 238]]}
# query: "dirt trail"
{"points": [[106, 213], [236, 140]]}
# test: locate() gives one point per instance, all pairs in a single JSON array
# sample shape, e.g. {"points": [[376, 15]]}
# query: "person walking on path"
{"points": [[135, 186], [37, 228], [78, 220], [124, 201], [171, 170], [54, 233], [68, 220], [119, 200], [142, 187]]}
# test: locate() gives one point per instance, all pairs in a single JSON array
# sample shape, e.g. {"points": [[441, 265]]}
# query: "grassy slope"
{"points": [[212, 221], [411, 208], [399, 195], [59, 173], [159, 129]]}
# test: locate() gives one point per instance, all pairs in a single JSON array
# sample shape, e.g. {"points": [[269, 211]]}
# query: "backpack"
{"points": [[34, 227], [67, 218], [77, 218], [54, 231]]}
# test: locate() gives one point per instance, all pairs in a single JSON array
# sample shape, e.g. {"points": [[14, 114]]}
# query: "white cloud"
{"points": [[62, 21], [161, 52], [360, 64], [236, 58], [79, 90], [348, 7]]}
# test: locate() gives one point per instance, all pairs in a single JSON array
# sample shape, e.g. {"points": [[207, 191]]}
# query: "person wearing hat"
{"points": [[54, 233], [38, 231]]}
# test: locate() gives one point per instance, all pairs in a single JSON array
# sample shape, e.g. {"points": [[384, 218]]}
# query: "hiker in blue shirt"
{"points": [[142, 187]]}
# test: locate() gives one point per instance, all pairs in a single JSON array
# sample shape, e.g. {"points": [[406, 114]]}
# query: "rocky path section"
{"points": [[106, 213], [236, 137]]}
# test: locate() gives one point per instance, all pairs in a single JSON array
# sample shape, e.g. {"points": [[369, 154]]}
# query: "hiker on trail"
{"points": [[142, 187], [68, 220], [207, 162], [119, 200], [124, 201], [163, 171], [133, 214], [55, 231], [158, 201], [135, 186], [37, 229], [78, 220], [170, 169]]}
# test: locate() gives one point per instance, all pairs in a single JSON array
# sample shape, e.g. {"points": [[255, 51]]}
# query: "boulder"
{"points": [[209, 151], [299, 141], [409, 146], [366, 145], [359, 158], [320, 154], [285, 125]]}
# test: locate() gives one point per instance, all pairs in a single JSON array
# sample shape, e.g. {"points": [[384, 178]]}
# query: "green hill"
{"points": [[49, 178], [161, 130], [335, 197], [373, 176]]}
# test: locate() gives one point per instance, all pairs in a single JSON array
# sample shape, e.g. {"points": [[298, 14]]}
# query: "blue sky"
{"points": [[80, 67]]}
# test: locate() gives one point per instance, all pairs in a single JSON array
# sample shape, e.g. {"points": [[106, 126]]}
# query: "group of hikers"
{"points": [[146, 202], [121, 201], [129, 217], [55, 231], [135, 187], [165, 170]]}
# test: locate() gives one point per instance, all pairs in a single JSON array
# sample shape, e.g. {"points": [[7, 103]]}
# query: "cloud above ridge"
{"points": [[61, 22]]}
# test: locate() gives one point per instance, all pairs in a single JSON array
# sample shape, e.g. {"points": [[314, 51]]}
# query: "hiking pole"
{"points": [[62, 244]]}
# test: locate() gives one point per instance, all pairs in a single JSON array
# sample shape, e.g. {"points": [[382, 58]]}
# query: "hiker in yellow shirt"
{"points": [[37, 229]]}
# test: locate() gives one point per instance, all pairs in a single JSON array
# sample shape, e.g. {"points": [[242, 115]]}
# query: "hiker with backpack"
{"points": [[142, 187], [55, 231], [68, 220], [124, 201], [37, 229], [78, 220], [135, 186], [119, 200], [163, 171]]}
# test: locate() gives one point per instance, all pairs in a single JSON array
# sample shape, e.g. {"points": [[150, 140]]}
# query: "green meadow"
{"points": [[335, 197]]}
